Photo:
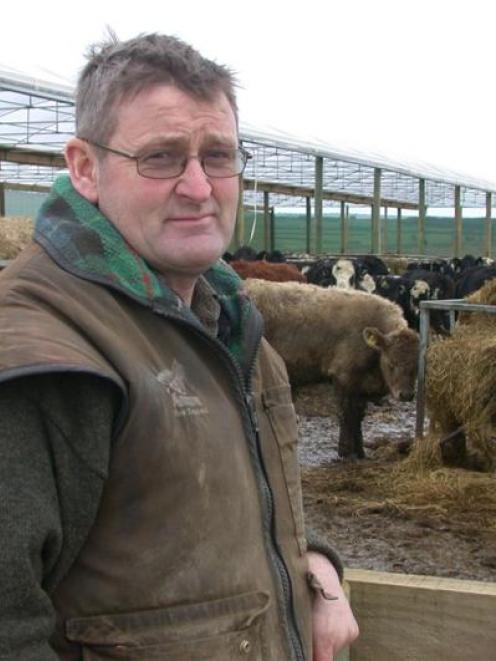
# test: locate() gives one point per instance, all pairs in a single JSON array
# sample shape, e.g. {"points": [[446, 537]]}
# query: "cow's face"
{"points": [[419, 291], [367, 283], [397, 359], [344, 273]]}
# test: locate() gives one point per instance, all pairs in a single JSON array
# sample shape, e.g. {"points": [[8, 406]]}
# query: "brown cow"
{"points": [[360, 341], [267, 271]]}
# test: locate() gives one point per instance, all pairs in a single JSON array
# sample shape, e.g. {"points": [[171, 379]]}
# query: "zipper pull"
{"points": [[250, 402]]}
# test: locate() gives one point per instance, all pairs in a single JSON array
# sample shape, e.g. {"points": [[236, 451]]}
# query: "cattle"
{"points": [[360, 342], [245, 252], [332, 272], [395, 288], [473, 279], [428, 286], [275, 256], [267, 271], [367, 269], [347, 272], [462, 264], [436, 265], [370, 264]]}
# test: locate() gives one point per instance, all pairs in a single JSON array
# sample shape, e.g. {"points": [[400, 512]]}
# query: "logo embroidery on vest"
{"points": [[184, 401]]}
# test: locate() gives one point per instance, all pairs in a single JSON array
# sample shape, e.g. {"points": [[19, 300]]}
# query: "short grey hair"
{"points": [[118, 71]]}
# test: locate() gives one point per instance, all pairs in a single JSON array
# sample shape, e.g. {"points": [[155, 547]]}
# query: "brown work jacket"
{"points": [[198, 548]]}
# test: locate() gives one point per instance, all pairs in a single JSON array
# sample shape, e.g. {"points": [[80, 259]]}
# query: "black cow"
{"points": [[245, 252], [395, 288], [429, 286], [473, 279], [275, 256], [332, 272]]}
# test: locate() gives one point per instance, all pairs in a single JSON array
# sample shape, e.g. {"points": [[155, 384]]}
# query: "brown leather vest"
{"points": [[184, 561]]}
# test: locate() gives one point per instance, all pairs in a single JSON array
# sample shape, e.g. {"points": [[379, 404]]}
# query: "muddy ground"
{"points": [[361, 511]]}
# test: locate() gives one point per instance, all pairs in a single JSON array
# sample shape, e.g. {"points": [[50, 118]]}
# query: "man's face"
{"points": [[180, 225]]}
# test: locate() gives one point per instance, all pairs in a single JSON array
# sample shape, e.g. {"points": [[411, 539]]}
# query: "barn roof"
{"points": [[37, 117]]}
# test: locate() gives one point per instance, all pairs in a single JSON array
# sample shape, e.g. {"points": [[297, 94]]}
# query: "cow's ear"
{"points": [[374, 338]]}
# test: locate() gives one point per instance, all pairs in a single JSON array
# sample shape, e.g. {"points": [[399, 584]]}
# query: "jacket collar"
{"points": [[81, 240]]}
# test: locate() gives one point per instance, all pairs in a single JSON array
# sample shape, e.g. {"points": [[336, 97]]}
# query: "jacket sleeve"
{"points": [[316, 542], [55, 434]]}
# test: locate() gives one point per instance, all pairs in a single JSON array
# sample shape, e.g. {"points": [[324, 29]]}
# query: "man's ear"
{"points": [[83, 168]]}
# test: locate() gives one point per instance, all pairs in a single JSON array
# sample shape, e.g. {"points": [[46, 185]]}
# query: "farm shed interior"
{"points": [[37, 117]]}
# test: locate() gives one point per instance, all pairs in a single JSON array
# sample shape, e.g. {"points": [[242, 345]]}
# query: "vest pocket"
{"points": [[220, 630], [279, 410]]}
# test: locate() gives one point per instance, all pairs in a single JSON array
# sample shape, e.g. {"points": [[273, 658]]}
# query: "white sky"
{"points": [[412, 79]]}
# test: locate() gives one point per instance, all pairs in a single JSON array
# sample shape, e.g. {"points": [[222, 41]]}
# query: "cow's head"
{"points": [[344, 273], [397, 358], [367, 283], [419, 291]]}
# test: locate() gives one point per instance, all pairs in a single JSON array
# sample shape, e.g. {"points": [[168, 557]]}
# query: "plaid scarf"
{"points": [[79, 238]]}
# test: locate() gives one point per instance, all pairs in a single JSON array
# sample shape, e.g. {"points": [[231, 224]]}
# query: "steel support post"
{"points": [[272, 229], [308, 225], [376, 213], [344, 228], [2, 199], [424, 338], [319, 187], [458, 222], [239, 230], [488, 238], [421, 219], [266, 220], [398, 231]]}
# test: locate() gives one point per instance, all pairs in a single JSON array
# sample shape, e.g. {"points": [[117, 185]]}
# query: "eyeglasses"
{"points": [[219, 163]]}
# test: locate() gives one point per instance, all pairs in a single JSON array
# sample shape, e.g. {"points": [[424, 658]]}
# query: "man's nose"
{"points": [[193, 182]]}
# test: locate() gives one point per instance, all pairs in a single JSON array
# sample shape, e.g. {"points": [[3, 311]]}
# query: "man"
{"points": [[149, 477]]}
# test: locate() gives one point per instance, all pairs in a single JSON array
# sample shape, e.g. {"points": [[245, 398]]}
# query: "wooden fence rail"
{"points": [[403, 617]]}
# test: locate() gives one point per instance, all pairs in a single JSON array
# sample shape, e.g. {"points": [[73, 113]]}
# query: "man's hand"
{"points": [[333, 624]]}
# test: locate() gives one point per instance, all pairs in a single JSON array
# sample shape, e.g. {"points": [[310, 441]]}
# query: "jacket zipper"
{"points": [[286, 603]]}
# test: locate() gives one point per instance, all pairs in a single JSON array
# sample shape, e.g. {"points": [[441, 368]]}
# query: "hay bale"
{"points": [[15, 234], [486, 295], [460, 387]]}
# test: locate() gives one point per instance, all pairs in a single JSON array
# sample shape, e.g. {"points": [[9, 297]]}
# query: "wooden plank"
{"points": [[403, 617]]}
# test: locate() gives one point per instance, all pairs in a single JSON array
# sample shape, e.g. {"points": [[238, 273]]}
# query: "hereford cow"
{"points": [[359, 341], [267, 271], [331, 271]]}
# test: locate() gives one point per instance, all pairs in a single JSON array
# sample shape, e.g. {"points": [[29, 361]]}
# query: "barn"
{"points": [[392, 526]]}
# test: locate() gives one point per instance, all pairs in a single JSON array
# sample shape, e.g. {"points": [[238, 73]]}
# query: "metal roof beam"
{"points": [[306, 191], [32, 157]]}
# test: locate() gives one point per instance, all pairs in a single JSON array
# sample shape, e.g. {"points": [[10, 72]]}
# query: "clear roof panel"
{"points": [[37, 115]]}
